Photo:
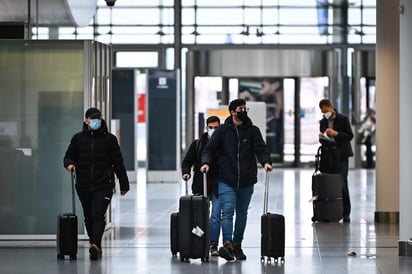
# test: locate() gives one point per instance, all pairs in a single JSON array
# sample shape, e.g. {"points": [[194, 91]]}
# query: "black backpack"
{"points": [[328, 159]]}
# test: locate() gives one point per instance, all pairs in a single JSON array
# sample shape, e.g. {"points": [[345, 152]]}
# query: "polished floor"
{"points": [[138, 242]]}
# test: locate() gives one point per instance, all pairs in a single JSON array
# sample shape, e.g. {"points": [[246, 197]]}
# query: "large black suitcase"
{"points": [[192, 227], [66, 236], [272, 229], [327, 197]]}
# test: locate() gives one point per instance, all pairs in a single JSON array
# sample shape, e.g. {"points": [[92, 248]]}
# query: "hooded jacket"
{"points": [[239, 147], [96, 155]]}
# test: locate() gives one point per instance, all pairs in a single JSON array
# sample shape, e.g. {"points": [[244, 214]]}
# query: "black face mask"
{"points": [[242, 115]]}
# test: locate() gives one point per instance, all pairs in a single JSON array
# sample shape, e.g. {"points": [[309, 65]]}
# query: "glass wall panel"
{"points": [[42, 95]]}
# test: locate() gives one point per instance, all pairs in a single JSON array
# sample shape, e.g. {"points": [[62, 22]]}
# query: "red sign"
{"points": [[141, 108]]}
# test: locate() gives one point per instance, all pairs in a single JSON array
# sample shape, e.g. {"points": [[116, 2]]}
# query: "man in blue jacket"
{"points": [[239, 142]]}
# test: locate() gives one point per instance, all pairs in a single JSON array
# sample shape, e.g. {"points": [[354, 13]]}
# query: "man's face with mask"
{"points": [[327, 111], [241, 113]]}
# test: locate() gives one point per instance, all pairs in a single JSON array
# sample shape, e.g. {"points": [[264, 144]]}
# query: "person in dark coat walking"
{"points": [[94, 154], [240, 143], [338, 128], [192, 159]]}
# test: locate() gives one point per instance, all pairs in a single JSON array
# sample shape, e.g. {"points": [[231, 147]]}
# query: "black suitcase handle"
{"points": [[266, 194], [73, 175], [204, 184]]}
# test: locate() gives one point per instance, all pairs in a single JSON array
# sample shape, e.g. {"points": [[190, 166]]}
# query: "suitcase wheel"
{"points": [[280, 260], [60, 257], [314, 219], [73, 257], [205, 259]]}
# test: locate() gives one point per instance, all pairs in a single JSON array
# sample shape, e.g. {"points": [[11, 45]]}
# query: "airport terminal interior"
{"points": [[139, 240], [156, 69]]}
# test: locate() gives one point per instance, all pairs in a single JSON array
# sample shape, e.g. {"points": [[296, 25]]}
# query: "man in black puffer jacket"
{"points": [[94, 154], [239, 143]]}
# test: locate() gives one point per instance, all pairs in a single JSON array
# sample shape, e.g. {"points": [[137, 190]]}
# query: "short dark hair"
{"points": [[235, 103], [325, 102], [212, 119]]}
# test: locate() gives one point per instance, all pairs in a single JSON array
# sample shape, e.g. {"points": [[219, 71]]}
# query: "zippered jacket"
{"points": [[239, 147], [96, 155]]}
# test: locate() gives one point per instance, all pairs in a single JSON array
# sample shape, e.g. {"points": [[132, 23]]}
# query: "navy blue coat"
{"points": [[239, 146]]}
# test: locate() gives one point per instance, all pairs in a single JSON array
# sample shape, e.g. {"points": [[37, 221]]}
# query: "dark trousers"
{"points": [[95, 205], [369, 152], [344, 169]]}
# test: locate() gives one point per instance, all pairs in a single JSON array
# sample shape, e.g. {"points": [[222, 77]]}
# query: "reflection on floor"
{"points": [[139, 239]]}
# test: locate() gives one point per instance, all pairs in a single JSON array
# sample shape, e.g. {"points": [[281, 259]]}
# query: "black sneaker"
{"points": [[226, 251], [238, 252], [213, 250]]}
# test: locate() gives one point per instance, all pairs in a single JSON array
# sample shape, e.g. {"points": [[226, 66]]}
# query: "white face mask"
{"points": [[327, 115], [210, 132]]}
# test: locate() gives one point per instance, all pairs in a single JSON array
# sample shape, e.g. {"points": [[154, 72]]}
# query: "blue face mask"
{"points": [[95, 124]]}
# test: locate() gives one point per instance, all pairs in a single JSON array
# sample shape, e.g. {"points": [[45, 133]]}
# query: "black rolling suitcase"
{"points": [[272, 226], [326, 195], [174, 229], [66, 236], [192, 226]]}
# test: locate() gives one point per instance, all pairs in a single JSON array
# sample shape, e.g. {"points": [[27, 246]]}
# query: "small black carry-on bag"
{"points": [[66, 236], [272, 243], [326, 195], [192, 227]]}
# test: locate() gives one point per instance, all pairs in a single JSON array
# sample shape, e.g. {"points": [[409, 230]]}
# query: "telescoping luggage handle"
{"points": [[204, 185], [186, 187], [73, 175], [266, 194]]}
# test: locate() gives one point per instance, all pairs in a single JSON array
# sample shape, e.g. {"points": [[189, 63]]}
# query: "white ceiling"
{"points": [[50, 12]]}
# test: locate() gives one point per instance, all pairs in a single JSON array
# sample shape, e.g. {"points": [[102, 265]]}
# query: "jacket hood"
{"points": [[229, 122]]}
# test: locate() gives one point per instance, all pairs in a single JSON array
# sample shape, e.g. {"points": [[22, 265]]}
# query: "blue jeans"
{"points": [[234, 199], [215, 219]]}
